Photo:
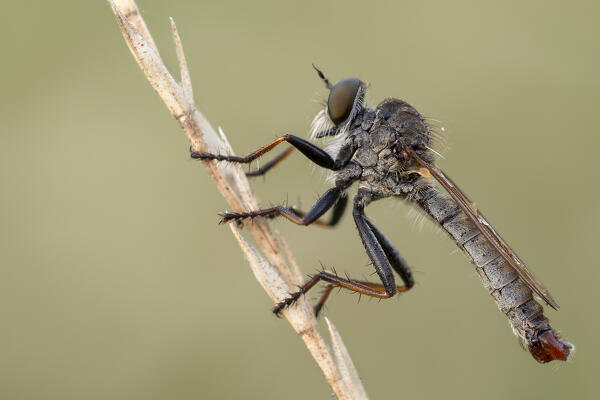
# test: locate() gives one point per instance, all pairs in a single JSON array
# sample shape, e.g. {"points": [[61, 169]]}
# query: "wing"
{"points": [[486, 229]]}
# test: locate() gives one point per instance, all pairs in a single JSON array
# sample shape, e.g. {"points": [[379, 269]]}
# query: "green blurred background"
{"points": [[117, 282]]}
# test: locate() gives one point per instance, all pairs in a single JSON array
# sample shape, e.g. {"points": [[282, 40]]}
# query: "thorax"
{"points": [[379, 141]]}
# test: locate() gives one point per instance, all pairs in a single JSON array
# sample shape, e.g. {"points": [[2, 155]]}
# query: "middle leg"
{"points": [[324, 203], [334, 196]]}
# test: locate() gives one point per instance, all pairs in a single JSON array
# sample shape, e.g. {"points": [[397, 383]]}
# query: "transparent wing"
{"points": [[487, 230]]}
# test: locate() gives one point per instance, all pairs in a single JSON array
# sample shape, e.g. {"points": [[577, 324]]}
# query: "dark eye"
{"points": [[341, 99]]}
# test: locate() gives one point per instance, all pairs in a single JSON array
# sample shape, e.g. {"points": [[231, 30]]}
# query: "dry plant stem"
{"points": [[270, 267]]}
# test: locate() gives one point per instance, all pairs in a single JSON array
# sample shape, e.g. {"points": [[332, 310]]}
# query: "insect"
{"points": [[387, 150]]}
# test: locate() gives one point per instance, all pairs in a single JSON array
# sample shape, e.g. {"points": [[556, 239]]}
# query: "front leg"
{"points": [[272, 163], [312, 152]]}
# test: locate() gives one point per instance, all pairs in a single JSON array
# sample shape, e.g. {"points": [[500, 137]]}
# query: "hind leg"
{"points": [[381, 253]]}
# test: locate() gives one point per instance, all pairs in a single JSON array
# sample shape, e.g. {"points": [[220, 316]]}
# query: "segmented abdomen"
{"points": [[513, 296]]}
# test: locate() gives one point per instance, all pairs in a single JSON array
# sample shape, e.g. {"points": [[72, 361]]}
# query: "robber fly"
{"points": [[388, 151]]}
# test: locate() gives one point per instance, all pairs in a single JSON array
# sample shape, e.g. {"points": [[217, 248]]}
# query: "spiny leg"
{"points": [[324, 203], [312, 152], [382, 254], [366, 288], [373, 285]]}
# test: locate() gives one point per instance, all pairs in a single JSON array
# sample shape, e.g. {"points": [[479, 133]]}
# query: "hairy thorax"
{"points": [[380, 139]]}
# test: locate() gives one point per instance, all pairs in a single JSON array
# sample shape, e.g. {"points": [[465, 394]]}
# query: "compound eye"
{"points": [[341, 99]]}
